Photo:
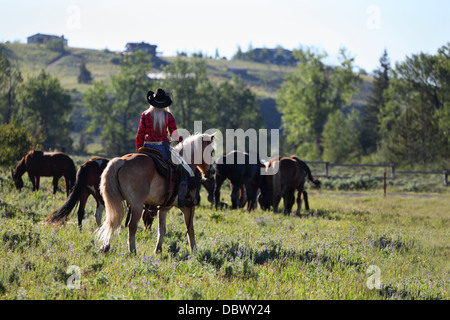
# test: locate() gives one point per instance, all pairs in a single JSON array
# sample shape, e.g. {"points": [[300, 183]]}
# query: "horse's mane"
{"points": [[20, 169], [191, 141]]}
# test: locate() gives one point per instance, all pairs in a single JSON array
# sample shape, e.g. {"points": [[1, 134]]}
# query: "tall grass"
{"points": [[323, 254]]}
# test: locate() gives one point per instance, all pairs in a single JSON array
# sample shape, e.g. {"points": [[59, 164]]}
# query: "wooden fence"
{"points": [[390, 167]]}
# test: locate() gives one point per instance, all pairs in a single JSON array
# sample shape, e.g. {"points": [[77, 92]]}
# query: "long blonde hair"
{"points": [[160, 118]]}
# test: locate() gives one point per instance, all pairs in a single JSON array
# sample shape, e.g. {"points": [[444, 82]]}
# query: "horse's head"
{"points": [[198, 150], [18, 182], [208, 147]]}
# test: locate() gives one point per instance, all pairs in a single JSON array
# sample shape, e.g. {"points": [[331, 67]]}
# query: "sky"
{"points": [[364, 27]]}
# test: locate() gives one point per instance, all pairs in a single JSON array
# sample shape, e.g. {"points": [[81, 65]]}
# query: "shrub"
{"points": [[15, 142]]}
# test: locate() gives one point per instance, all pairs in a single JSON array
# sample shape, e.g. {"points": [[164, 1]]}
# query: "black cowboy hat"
{"points": [[160, 99]]}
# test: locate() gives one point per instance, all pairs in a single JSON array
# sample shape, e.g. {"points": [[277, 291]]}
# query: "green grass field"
{"points": [[336, 251]]}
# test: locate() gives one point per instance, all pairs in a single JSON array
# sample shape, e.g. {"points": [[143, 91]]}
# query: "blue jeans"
{"points": [[163, 148]]}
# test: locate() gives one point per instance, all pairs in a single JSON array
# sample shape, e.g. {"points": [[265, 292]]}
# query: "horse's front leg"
{"points": [[235, 203], [218, 184], [162, 214], [188, 214], [33, 180], [37, 180]]}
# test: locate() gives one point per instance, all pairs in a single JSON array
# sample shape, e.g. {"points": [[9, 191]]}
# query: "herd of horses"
{"points": [[132, 184]]}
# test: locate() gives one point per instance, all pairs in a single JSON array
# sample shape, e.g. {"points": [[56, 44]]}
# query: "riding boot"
{"points": [[183, 194]]}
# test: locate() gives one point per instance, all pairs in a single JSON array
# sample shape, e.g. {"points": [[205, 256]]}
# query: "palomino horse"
{"points": [[148, 215], [47, 164], [290, 176], [237, 166], [134, 179], [87, 183]]}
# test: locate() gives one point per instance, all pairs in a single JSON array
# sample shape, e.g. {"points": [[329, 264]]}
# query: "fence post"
{"points": [[326, 169], [445, 178], [384, 182], [392, 171]]}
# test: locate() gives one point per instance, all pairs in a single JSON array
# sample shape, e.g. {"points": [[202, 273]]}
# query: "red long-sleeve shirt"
{"points": [[146, 131]]}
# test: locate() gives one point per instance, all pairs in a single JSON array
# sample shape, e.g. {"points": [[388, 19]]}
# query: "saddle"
{"points": [[165, 169], [173, 175]]}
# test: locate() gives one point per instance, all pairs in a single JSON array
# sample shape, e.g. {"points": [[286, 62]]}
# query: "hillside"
{"points": [[263, 79]]}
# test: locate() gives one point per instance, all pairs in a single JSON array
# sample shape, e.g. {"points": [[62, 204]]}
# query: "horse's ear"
{"points": [[213, 135]]}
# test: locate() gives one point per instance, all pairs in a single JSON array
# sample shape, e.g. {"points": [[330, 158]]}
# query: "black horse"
{"points": [[240, 168]]}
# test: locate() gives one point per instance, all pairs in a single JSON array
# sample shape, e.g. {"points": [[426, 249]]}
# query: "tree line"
{"points": [[406, 120], [41, 109]]}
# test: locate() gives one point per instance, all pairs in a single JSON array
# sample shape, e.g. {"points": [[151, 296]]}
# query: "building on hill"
{"points": [[44, 38], [142, 46]]}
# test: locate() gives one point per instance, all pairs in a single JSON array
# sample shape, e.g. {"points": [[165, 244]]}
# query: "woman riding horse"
{"points": [[154, 125]]}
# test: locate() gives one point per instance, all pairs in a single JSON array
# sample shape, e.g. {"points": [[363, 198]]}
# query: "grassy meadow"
{"points": [[337, 250]]}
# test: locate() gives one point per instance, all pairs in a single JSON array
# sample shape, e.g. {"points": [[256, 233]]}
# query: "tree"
{"points": [[183, 78], [47, 109], [310, 94], [115, 110], [250, 54], [239, 55], [376, 102], [341, 137], [233, 106], [10, 84], [414, 123], [222, 105], [85, 75], [15, 141]]}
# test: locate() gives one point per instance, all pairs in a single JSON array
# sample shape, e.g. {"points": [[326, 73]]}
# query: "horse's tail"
{"points": [[80, 182], [316, 182], [112, 196]]}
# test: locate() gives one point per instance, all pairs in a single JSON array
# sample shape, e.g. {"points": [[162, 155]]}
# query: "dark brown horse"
{"points": [[290, 175], [45, 164], [240, 169], [87, 184], [209, 185]]}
